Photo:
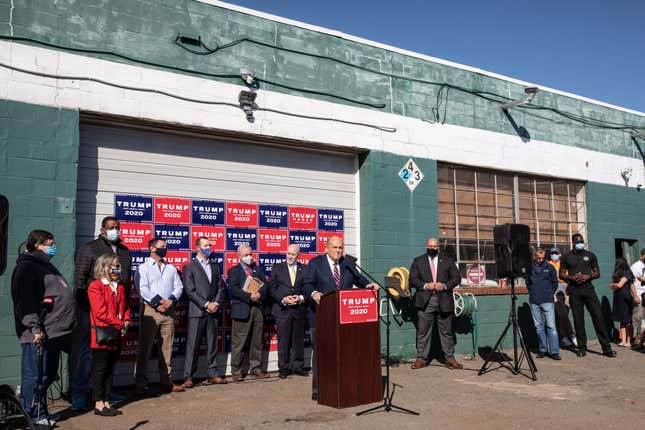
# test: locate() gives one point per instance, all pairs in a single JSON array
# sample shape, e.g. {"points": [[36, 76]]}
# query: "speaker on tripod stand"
{"points": [[512, 260]]}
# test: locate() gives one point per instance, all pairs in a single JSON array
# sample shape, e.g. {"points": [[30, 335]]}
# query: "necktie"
{"points": [[248, 272], [292, 274], [433, 267], [336, 276]]}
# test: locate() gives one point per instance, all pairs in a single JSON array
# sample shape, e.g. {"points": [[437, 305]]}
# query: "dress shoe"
{"points": [[301, 372], [260, 374], [540, 354], [609, 353], [115, 411], [418, 364], [216, 380], [105, 412], [454, 364], [173, 388], [187, 385], [314, 396], [555, 357], [237, 377], [282, 375], [581, 352]]}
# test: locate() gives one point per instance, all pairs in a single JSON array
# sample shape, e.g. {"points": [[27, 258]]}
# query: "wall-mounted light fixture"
{"points": [[626, 174], [530, 93]]}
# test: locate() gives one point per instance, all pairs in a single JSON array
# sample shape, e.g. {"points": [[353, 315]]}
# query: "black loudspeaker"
{"points": [[4, 228], [512, 254]]}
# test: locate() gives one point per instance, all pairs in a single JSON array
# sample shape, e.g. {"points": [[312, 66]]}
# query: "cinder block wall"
{"points": [[38, 158]]}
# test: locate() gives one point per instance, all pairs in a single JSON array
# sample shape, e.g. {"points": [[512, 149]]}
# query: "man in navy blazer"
{"points": [[246, 312], [324, 274], [289, 311], [205, 290]]}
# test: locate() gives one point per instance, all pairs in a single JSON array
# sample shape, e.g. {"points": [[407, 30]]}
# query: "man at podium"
{"points": [[324, 274]]}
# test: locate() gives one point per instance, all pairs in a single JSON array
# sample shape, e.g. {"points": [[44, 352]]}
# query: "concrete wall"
{"points": [[38, 155]]}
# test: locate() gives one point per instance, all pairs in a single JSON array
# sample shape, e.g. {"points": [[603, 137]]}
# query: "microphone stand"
{"points": [[387, 405]]}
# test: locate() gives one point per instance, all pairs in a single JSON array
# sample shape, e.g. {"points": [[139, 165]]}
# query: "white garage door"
{"points": [[119, 160], [129, 161]]}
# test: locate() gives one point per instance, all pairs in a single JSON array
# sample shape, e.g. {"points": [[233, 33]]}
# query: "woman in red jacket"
{"points": [[109, 320]]}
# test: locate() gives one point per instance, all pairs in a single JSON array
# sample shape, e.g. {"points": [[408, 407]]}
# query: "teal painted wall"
{"points": [[613, 213], [395, 224], [146, 29], [38, 159]]}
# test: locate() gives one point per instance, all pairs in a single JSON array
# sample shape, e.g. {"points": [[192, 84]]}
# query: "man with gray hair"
{"points": [[246, 312], [289, 311]]}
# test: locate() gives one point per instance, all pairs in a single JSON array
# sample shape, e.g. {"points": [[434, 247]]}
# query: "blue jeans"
{"points": [[544, 313], [29, 373]]}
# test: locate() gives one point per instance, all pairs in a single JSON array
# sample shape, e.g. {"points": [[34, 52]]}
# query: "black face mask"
{"points": [[432, 252], [161, 252]]}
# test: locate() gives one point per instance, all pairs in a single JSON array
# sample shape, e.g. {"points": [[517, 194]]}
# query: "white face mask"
{"points": [[247, 259]]}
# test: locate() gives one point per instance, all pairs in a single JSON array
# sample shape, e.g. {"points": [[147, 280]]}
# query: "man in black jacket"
{"points": [[289, 311], [205, 290], [434, 276], [81, 356], [246, 312]]}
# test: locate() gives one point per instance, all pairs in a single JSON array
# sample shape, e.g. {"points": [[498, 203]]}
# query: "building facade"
{"points": [[142, 101]]}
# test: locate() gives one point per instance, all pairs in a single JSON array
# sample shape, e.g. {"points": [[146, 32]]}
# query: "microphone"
{"points": [[351, 257]]}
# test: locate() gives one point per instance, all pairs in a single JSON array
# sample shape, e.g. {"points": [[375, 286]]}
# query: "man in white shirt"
{"points": [[638, 269], [160, 288]]}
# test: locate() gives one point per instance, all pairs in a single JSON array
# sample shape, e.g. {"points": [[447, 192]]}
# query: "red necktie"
{"points": [[248, 272], [336, 276]]}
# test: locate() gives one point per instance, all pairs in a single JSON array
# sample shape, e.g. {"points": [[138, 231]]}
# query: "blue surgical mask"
{"points": [[116, 271], [206, 252], [580, 246], [51, 251], [112, 235], [555, 257]]}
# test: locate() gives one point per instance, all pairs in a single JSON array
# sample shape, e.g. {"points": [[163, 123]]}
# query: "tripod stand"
{"points": [[515, 366], [387, 405]]}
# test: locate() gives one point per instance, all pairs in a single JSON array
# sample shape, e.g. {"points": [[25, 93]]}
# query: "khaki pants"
{"points": [[154, 325], [637, 316], [247, 334]]}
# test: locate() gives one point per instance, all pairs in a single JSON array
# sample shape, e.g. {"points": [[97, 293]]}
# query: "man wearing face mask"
{"points": [[33, 279], [434, 276], [160, 288], [108, 241], [578, 268], [205, 291], [246, 312], [565, 329], [638, 269]]}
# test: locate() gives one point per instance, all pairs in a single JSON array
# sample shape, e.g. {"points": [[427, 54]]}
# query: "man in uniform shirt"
{"points": [[578, 268]]}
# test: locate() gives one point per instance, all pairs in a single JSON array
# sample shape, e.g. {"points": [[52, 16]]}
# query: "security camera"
{"points": [[530, 90]]}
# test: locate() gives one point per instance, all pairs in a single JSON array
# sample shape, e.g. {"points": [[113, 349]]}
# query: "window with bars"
{"points": [[472, 201]]}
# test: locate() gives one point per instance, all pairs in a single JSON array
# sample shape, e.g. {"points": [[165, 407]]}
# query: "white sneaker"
{"points": [[45, 422]]}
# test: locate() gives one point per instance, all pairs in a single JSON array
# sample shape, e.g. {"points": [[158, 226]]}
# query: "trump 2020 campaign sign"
{"points": [[170, 210], [358, 306], [267, 227]]}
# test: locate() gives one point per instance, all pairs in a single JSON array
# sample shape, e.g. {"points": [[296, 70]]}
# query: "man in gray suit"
{"points": [[205, 290], [434, 276]]}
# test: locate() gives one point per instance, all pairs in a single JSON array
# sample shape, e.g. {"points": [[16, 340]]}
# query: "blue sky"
{"points": [[593, 48]]}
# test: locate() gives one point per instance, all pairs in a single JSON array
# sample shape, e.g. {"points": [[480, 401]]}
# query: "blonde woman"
{"points": [[109, 320]]}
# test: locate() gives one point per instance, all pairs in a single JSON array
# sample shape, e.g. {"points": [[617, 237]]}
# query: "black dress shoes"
{"points": [[314, 396], [301, 372], [105, 412], [581, 352], [540, 354], [609, 353]]}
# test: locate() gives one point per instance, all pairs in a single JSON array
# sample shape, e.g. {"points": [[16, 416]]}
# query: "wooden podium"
{"points": [[348, 349]]}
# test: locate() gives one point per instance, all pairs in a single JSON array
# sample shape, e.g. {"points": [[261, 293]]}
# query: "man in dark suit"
{"points": [[289, 312], [246, 312], [326, 273], [204, 288], [433, 276]]}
